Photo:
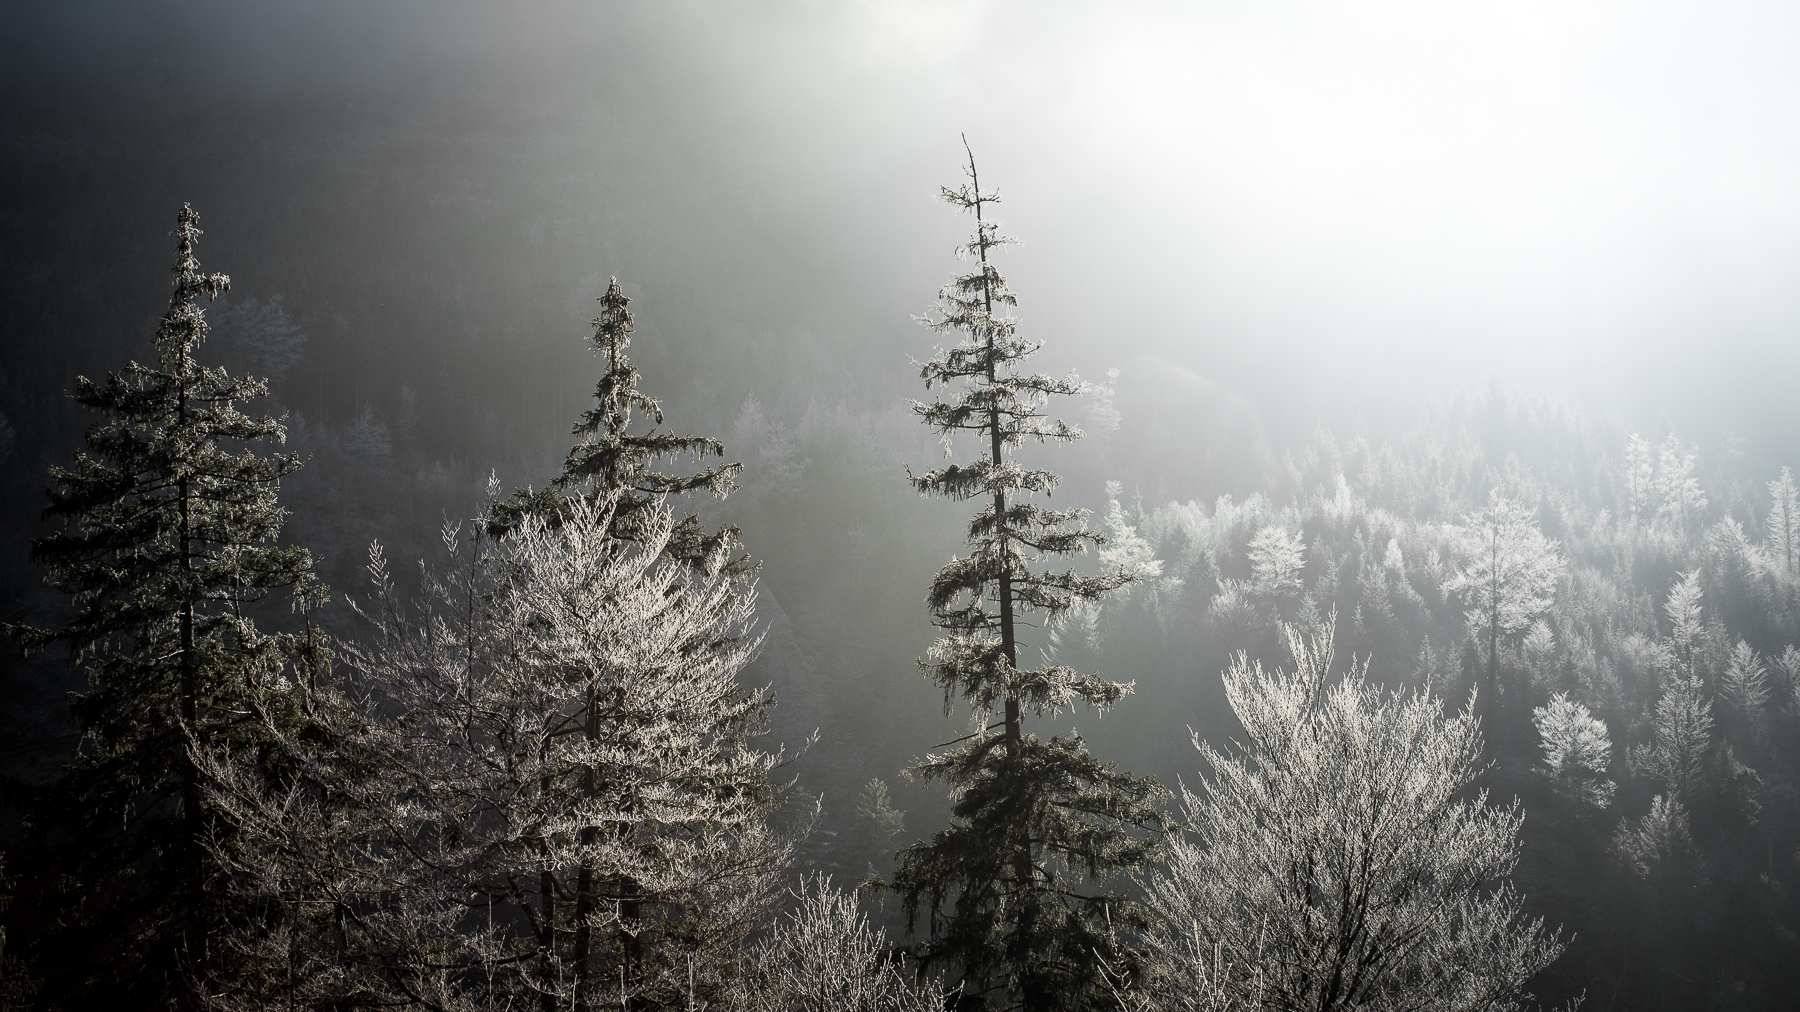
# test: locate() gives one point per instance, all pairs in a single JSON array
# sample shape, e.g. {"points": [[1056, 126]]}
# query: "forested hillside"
{"points": [[543, 544], [1641, 699], [1592, 628]]}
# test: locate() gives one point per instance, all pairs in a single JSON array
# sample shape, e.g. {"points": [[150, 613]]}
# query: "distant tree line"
{"points": [[1624, 624]]}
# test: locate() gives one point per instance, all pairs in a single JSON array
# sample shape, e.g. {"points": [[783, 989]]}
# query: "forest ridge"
{"points": [[1513, 704]]}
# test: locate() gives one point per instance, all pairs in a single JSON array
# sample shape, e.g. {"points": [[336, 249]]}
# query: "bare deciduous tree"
{"points": [[1337, 860], [825, 957]]}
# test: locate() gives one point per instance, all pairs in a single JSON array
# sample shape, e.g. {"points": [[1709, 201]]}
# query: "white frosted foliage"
{"points": [[1577, 751], [554, 754], [1337, 859], [1510, 569], [1276, 561]]}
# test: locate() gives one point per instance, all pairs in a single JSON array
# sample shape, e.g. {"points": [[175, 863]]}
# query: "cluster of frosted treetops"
{"points": [[535, 781]]}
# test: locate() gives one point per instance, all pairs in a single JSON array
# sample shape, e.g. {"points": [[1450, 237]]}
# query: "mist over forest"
{"points": [[1434, 376]]}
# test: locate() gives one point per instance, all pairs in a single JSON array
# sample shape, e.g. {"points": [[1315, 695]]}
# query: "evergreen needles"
{"points": [[610, 461], [1003, 888], [168, 540]]}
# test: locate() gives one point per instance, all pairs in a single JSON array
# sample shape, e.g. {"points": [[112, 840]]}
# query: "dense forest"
{"points": [[543, 545], [1509, 701]]}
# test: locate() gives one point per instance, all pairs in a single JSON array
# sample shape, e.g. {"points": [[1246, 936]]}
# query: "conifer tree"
{"points": [[611, 459], [1685, 619], [1640, 475], [1745, 682], [1577, 751], [1784, 520], [1510, 576], [549, 800], [1681, 739], [1658, 840], [167, 541], [1031, 818], [1677, 485], [1276, 561]]}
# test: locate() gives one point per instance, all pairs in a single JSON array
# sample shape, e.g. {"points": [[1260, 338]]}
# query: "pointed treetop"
{"points": [[612, 328], [183, 327]]}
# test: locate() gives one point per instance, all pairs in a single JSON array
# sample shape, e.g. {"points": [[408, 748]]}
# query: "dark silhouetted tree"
{"points": [[1032, 819], [168, 541], [611, 459]]}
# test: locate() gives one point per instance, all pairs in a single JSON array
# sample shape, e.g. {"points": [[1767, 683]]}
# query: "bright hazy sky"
{"points": [[1598, 198], [1534, 187]]}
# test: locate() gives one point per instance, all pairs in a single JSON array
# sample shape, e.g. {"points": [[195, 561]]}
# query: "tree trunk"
{"points": [[633, 948], [547, 906], [584, 879], [193, 826], [1023, 871]]}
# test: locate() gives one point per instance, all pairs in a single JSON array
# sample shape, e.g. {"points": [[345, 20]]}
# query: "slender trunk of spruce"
{"points": [[631, 951], [1015, 744], [614, 422], [194, 930], [1008, 646], [343, 942], [584, 879]]}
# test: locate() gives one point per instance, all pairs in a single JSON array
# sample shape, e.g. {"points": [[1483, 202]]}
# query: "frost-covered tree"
{"points": [[615, 463], [1686, 618], [1276, 561], [1745, 681], [824, 956], [1338, 859], [1032, 820], [1640, 477], [1783, 521], [550, 798], [876, 813], [1658, 839], [1677, 485], [1681, 737], [1073, 640], [1103, 416], [1126, 550], [1509, 574], [1577, 751], [879, 825], [1787, 673], [168, 540], [1189, 975]]}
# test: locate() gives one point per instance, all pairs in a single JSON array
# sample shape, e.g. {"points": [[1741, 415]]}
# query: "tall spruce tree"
{"points": [[610, 459], [1002, 888], [168, 541]]}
